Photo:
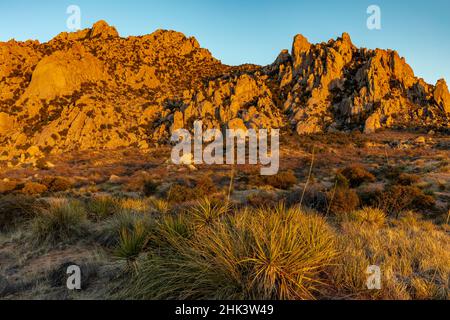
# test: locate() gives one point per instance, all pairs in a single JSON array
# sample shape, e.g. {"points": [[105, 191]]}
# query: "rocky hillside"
{"points": [[93, 89]]}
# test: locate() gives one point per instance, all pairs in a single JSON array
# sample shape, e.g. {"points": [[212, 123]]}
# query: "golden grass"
{"points": [[367, 217], [261, 254], [414, 257]]}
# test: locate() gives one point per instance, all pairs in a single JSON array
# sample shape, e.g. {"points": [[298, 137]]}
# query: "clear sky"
{"points": [[254, 31]]}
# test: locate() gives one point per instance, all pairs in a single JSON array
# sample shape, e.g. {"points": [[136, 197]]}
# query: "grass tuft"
{"points": [[62, 221]]}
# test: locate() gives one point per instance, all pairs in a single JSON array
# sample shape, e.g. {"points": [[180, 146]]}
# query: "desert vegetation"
{"points": [[165, 232]]}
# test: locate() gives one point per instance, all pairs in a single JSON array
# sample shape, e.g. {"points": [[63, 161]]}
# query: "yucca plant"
{"points": [[132, 243], [207, 212], [171, 230], [160, 206], [368, 216], [109, 235]]}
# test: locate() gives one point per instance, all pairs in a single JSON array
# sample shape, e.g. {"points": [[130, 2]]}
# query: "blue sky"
{"points": [[254, 31]]}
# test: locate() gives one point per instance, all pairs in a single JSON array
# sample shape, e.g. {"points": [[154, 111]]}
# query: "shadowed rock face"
{"points": [[94, 89]]}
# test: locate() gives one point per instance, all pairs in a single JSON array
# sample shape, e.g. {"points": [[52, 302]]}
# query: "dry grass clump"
{"points": [[368, 217], [102, 207], [407, 179], [179, 193], [135, 205], [284, 180], [160, 206], [64, 220], [414, 257], [253, 254]]}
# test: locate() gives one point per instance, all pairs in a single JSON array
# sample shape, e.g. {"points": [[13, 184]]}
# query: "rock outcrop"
{"points": [[93, 89]]}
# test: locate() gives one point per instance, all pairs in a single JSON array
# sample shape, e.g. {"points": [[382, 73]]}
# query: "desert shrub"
{"points": [[179, 193], [8, 186], [406, 179], [262, 199], [284, 180], [15, 209], [314, 197], [242, 258], [395, 199], [357, 175], [149, 188], [342, 201], [63, 220], [205, 185], [368, 217], [102, 207], [57, 184], [33, 188], [41, 164], [342, 181]]}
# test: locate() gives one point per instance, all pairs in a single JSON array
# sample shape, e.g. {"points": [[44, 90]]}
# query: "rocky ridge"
{"points": [[93, 89]]}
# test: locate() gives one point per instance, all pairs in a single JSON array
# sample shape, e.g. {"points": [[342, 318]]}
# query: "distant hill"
{"points": [[93, 89]]}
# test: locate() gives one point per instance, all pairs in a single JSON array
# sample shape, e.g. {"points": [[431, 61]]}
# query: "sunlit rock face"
{"points": [[93, 89]]}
